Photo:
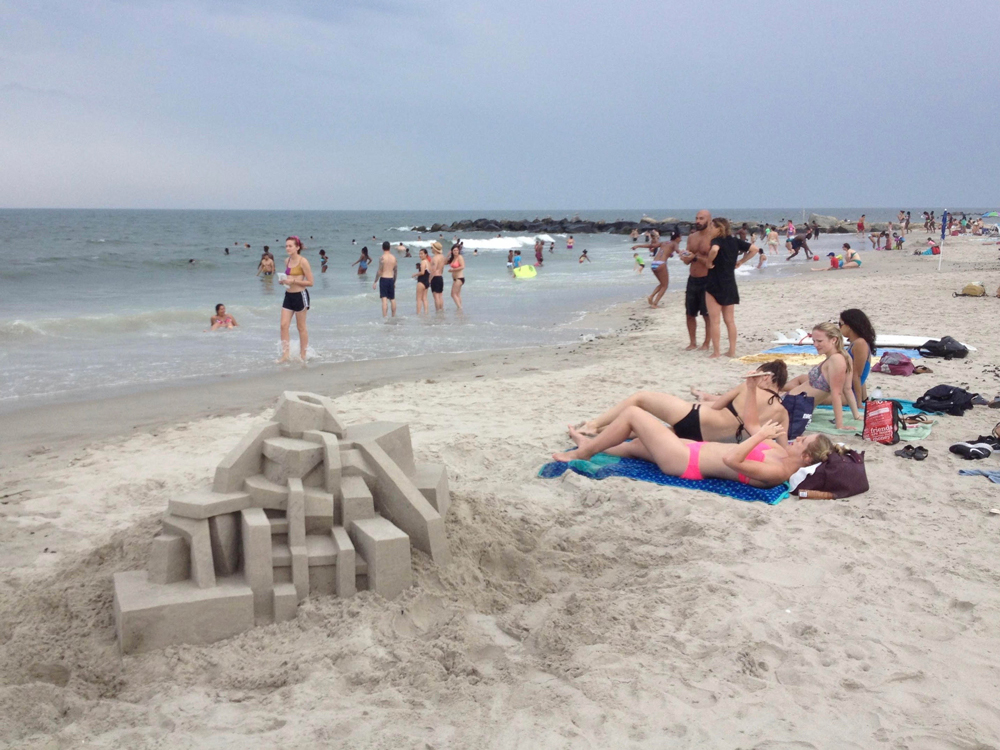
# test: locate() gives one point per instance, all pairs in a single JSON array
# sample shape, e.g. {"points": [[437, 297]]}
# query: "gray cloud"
{"points": [[450, 105]]}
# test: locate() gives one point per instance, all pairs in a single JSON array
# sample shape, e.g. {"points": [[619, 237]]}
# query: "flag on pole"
{"points": [[944, 229]]}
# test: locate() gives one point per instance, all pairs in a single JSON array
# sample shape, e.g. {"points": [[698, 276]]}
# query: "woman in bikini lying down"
{"points": [[759, 461], [714, 418]]}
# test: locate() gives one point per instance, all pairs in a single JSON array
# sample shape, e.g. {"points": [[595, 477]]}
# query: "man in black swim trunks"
{"points": [[798, 242], [695, 257], [386, 279]]}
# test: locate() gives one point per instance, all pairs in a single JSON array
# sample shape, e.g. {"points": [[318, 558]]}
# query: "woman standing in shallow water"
{"points": [[298, 277]]}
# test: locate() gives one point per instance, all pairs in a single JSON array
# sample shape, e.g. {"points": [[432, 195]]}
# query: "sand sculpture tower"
{"points": [[302, 506]]}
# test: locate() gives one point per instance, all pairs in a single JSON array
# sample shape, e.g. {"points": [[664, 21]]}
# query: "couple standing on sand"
{"points": [[712, 255]]}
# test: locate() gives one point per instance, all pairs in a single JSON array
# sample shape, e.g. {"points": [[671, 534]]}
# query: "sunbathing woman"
{"points": [[829, 382], [860, 335], [719, 421], [758, 461]]}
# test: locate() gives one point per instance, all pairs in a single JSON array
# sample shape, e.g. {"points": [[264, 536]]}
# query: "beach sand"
{"points": [[575, 613]]}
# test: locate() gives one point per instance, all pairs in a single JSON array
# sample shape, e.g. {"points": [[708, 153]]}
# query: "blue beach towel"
{"points": [[603, 466], [803, 349]]}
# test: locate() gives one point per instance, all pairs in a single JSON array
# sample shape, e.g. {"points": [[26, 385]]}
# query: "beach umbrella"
{"points": [[990, 215]]}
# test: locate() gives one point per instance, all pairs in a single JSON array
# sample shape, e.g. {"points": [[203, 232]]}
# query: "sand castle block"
{"points": [[398, 500], [297, 537], [244, 460], [356, 501], [286, 602], [149, 616], [293, 511], [392, 437], [205, 503], [299, 412], [266, 494], [224, 534], [345, 584], [296, 457], [432, 481], [386, 549], [169, 559], [331, 457], [196, 534], [319, 510], [258, 568], [353, 464]]}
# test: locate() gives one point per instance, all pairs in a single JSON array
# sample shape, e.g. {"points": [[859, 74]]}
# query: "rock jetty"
{"points": [[576, 225]]}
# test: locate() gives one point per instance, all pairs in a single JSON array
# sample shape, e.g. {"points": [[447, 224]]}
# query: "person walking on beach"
{"points": [[298, 278], [363, 262], [437, 275], [861, 226], [456, 264], [423, 277], [386, 279], [695, 257]]}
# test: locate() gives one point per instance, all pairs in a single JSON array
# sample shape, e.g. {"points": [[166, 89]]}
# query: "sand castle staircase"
{"points": [[303, 506]]}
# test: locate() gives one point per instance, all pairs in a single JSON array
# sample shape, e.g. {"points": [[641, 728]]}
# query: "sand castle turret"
{"points": [[303, 506]]}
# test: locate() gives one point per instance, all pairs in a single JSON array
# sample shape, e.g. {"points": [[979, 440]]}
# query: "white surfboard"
{"points": [[804, 338]]}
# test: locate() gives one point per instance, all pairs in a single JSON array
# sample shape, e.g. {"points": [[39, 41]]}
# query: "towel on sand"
{"points": [[822, 421], [603, 466], [806, 355]]}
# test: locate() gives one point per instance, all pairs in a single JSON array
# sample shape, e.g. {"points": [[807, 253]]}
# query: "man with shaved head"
{"points": [[695, 256]]}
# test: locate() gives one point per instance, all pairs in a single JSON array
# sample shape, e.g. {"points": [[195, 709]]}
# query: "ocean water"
{"points": [[101, 302]]}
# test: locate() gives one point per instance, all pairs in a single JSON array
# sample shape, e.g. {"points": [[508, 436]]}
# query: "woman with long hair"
{"points": [[423, 277], [363, 262], [715, 418], [727, 253], [829, 382], [298, 277], [860, 335], [759, 461], [456, 264]]}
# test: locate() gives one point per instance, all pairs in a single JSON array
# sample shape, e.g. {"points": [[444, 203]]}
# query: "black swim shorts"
{"points": [[694, 297], [296, 301], [437, 284], [387, 288]]}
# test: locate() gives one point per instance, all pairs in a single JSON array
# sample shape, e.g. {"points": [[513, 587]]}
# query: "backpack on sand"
{"points": [[946, 347], [971, 290], [894, 363], [882, 422], [948, 399], [800, 412]]}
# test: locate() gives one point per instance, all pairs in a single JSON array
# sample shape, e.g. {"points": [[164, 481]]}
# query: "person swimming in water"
{"points": [[266, 266], [584, 257], [324, 261], [221, 319], [363, 262]]}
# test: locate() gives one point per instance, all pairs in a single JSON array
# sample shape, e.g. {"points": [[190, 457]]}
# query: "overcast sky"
{"points": [[405, 104]]}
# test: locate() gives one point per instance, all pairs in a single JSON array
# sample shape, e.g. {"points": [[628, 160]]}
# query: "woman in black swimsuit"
{"points": [[721, 293], [423, 277], [713, 418]]}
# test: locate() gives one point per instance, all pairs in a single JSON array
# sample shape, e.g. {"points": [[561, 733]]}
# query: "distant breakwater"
{"points": [[576, 225]]}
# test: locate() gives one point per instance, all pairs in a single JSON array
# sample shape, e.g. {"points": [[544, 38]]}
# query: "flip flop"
{"points": [[917, 419], [920, 453], [995, 403], [922, 370], [906, 451]]}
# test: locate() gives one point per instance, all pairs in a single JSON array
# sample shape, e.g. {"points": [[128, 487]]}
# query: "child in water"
{"points": [[640, 264]]}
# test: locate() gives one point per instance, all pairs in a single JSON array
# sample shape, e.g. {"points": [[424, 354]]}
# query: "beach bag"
{"points": [[948, 399], [971, 290], [800, 412], [894, 363], [946, 347], [882, 422], [840, 475]]}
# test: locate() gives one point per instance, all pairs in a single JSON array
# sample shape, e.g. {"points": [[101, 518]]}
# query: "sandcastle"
{"points": [[302, 506]]}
